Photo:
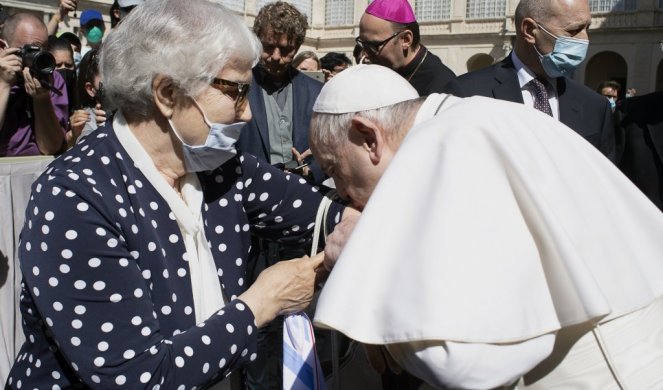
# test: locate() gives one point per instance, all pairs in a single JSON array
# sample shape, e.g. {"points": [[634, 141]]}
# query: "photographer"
{"points": [[32, 116]]}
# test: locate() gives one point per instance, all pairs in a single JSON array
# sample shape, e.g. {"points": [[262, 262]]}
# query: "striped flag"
{"points": [[301, 367]]}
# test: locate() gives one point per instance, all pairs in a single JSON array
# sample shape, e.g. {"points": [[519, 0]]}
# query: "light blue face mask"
{"points": [[218, 148], [77, 59], [565, 57], [613, 103]]}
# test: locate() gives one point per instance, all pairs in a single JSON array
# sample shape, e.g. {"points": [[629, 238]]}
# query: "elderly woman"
{"points": [[134, 247]]}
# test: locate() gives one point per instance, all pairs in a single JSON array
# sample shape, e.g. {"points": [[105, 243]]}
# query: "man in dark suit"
{"points": [[641, 124], [281, 100], [551, 40]]}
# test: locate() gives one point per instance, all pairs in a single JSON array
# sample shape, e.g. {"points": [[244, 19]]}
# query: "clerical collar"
{"points": [[409, 70]]}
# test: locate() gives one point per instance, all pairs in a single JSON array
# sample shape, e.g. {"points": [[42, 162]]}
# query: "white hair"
{"points": [[331, 130], [188, 41]]}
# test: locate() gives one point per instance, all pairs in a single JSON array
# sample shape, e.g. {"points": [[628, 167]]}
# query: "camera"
{"points": [[40, 62]]}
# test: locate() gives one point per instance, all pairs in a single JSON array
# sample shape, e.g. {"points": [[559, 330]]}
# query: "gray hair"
{"points": [[189, 41], [538, 10], [331, 130]]}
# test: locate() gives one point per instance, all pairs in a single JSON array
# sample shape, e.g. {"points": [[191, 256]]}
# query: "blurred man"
{"points": [[389, 36], [32, 115], [500, 262], [333, 63], [610, 90], [93, 29], [551, 41]]}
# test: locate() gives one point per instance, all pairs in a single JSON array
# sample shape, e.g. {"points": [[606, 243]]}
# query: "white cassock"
{"points": [[498, 240]]}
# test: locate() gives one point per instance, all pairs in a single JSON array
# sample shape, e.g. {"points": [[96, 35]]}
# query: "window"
{"points": [[339, 12], [612, 5], [234, 5], [482, 9], [431, 10]]}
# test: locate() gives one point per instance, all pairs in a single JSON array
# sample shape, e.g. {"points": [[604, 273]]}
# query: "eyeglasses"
{"points": [[374, 47], [236, 91]]}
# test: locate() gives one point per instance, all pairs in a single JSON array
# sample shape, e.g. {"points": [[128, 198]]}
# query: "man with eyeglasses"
{"points": [[551, 42], [281, 100], [389, 36]]}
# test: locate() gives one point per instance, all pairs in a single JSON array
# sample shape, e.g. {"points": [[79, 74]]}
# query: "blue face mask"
{"points": [[218, 148], [77, 58], [565, 57], [613, 103]]}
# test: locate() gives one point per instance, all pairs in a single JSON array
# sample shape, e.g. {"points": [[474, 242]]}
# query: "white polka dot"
{"points": [[179, 361], [75, 341], [230, 328], [79, 309], [44, 246], [55, 375], [244, 352], [136, 320], [233, 349], [102, 346], [264, 196], [138, 293], [188, 351], [173, 238], [124, 262], [166, 310], [112, 243], [66, 254], [188, 310], [76, 324], [57, 306], [56, 191], [151, 246], [181, 272], [145, 377], [79, 284], [251, 197], [267, 176], [165, 274], [145, 331], [147, 274], [238, 261], [206, 340], [82, 206], [129, 354], [223, 202], [278, 219], [35, 291], [253, 356], [99, 361], [45, 229], [116, 298], [35, 271], [218, 229], [95, 379], [53, 282], [222, 363], [64, 268], [99, 285], [106, 327], [240, 306], [249, 329], [49, 215], [154, 205], [71, 234], [120, 380], [222, 247], [205, 368]]}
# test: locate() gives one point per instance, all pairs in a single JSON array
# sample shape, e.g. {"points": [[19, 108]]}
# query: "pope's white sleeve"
{"points": [[471, 366]]}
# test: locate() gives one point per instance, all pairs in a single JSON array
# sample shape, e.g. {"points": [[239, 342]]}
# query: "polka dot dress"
{"points": [[106, 294]]}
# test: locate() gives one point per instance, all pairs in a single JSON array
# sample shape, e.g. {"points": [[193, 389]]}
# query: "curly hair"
{"points": [[281, 18]]}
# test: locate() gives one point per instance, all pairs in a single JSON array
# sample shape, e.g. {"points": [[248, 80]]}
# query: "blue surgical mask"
{"points": [[218, 148], [565, 57], [77, 59], [613, 103]]}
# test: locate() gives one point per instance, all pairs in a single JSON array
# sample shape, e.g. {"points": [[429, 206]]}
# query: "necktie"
{"points": [[540, 93]]}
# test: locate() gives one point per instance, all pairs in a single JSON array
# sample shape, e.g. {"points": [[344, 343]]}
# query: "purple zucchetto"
{"points": [[398, 11]]}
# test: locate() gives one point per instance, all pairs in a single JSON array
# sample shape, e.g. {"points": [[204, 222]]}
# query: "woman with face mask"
{"points": [[64, 64], [135, 244], [89, 114]]}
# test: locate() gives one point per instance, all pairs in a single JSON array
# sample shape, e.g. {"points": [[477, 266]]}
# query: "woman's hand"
{"points": [[77, 122], [286, 287], [337, 239], [99, 115]]}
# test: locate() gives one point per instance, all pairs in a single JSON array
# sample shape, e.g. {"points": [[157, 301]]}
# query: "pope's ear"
{"points": [[163, 93], [369, 135]]}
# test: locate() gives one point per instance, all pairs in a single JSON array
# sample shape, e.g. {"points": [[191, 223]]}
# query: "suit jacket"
{"points": [[255, 135], [641, 127], [580, 108]]}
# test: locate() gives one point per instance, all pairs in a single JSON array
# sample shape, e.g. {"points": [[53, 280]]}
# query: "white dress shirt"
{"points": [[525, 75]]}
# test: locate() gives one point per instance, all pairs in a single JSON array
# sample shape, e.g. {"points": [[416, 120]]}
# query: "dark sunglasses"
{"points": [[237, 91], [374, 47]]}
